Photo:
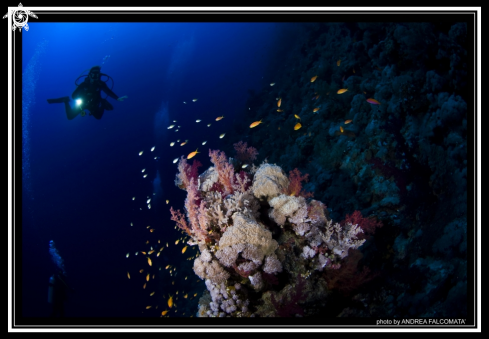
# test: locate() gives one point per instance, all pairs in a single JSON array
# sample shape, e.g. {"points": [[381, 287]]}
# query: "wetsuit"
{"points": [[89, 93]]}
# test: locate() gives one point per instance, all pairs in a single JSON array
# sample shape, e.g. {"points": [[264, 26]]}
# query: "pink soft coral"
{"points": [[295, 185], [187, 172], [244, 153], [368, 225], [224, 169]]}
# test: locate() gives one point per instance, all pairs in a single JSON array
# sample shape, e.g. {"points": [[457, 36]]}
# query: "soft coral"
{"points": [[295, 185]]}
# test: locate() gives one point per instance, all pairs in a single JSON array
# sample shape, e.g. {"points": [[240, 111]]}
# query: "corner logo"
{"points": [[20, 17]]}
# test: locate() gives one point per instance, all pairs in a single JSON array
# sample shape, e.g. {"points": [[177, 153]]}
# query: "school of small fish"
{"points": [[171, 270]]}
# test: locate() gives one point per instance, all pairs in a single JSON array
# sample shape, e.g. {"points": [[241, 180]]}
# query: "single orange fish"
{"points": [[315, 109], [297, 126], [141, 270], [256, 123], [348, 121], [297, 117], [144, 286], [280, 110], [338, 62], [314, 78], [219, 118], [149, 262], [193, 154], [279, 102], [184, 143], [184, 249], [143, 252], [341, 91], [164, 312], [341, 129], [151, 294], [373, 101], [147, 277], [128, 275], [148, 307], [170, 302]]}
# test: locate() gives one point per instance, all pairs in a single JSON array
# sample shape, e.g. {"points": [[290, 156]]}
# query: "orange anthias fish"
{"points": [[338, 62], [279, 102], [341, 91], [128, 275], [191, 155], [184, 249], [170, 302], [219, 118], [164, 312], [314, 78], [348, 121], [280, 110], [341, 129], [147, 277], [297, 117], [297, 126], [149, 262], [315, 109], [256, 123], [373, 101]]}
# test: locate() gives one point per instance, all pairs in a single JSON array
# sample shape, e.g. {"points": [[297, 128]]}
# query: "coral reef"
{"points": [[243, 232], [402, 163]]}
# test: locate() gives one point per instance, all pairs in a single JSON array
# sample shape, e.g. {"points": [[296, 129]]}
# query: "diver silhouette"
{"points": [[87, 96], [58, 293]]}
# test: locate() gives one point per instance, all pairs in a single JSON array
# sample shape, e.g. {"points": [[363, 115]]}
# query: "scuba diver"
{"points": [[87, 96], [57, 293], [58, 288]]}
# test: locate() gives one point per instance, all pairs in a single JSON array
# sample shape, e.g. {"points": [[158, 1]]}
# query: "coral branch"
{"points": [[368, 225], [224, 169], [295, 185], [244, 153], [187, 172], [179, 218]]}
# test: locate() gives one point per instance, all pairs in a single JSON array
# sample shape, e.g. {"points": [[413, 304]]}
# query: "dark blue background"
{"points": [[84, 172]]}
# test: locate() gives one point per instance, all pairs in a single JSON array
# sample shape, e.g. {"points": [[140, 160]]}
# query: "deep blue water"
{"points": [[80, 175]]}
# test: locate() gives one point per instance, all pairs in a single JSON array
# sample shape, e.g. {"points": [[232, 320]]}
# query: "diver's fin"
{"points": [[59, 100]]}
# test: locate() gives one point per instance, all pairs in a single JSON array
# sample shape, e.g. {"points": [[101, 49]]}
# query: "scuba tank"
{"points": [[51, 289]]}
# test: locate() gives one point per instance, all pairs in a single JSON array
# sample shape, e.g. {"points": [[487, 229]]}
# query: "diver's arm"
{"points": [[109, 91]]}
